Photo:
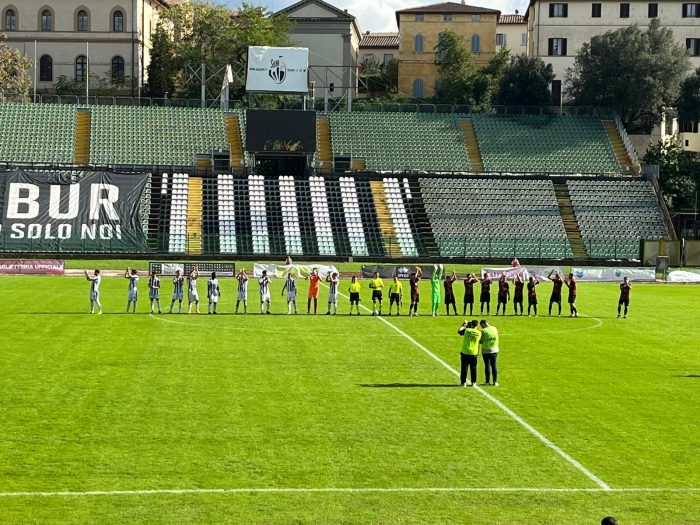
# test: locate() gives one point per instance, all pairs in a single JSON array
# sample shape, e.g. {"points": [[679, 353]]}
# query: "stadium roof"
{"points": [[511, 19], [379, 40], [447, 7]]}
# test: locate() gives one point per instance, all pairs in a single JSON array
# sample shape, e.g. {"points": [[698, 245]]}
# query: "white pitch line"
{"points": [[548, 442], [359, 490]]}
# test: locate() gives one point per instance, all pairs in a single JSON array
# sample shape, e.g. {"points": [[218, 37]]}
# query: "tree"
{"points": [[678, 173], [634, 72], [160, 69], [14, 73], [689, 100], [210, 34], [525, 82]]}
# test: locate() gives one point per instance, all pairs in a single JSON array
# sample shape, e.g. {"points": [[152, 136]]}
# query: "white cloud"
{"points": [[380, 15]]}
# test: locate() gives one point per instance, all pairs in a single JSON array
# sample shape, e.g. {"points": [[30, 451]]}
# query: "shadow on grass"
{"points": [[689, 375], [410, 385]]}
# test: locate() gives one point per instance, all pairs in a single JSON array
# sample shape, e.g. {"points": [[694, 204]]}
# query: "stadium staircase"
{"points": [[618, 146], [473, 151], [82, 137], [233, 134], [156, 218], [194, 216], [568, 217], [422, 229], [385, 221], [325, 146]]}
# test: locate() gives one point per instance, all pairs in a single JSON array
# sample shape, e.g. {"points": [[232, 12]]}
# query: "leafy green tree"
{"points": [[209, 34], [14, 73], [689, 100], [161, 78], [634, 72], [678, 173], [525, 82]]}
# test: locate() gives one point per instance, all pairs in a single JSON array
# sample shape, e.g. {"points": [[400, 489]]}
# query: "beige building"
{"points": [[420, 29], [511, 31], [107, 38], [380, 47], [333, 38]]}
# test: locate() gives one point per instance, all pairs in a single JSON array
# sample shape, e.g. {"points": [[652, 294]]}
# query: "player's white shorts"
{"points": [[192, 297], [177, 296], [154, 294], [333, 298], [133, 295], [291, 296], [242, 296], [264, 297], [213, 299], [94, 296]]}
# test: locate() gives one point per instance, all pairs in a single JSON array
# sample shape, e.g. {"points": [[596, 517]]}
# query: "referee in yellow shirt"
{"points": [[395, 295], [354, 290], [377, 286]]}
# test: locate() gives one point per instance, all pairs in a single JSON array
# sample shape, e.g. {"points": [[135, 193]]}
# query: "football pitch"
{"points": [[124, 418]]}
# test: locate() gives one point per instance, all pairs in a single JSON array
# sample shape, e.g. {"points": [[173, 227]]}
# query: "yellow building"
{"points": [[420, 29]]}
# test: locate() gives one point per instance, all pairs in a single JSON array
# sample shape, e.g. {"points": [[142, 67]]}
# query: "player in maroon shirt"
{"points": [[571, 285], [469, 293], [503, 294], [519, 284], [625, 288], [532, 294], [413, 281], [557, 285], [485, 297], [449, 293]]}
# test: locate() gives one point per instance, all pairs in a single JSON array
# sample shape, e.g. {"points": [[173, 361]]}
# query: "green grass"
{"points": [[131, 402]]}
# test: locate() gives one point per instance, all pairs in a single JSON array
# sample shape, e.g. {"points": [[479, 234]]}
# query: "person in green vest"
{"points": [[438, 270], [470, 352], [489, 351]]}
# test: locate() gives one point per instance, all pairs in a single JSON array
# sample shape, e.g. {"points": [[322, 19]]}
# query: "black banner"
{"points": [[280, 131], [48, 212], [388, 272]]}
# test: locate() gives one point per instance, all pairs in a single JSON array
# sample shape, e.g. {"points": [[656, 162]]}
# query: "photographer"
{"points": [[470, 351]]}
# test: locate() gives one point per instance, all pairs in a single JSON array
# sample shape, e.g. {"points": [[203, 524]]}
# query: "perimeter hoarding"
{"points": [[277, 70], [49, 212]]}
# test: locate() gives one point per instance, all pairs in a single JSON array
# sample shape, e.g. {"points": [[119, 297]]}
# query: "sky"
{"points": [[379, 15]]}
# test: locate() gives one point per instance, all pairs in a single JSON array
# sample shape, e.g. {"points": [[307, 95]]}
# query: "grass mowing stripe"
{"points": [[595, 479]]}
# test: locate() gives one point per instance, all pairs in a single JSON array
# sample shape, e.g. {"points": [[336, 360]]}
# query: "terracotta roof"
{"points": [[446, 7], [511, 19], [380, 40]]}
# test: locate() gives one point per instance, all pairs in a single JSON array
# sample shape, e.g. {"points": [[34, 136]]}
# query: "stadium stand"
{"points": [[227, 214], [258, 214], [495, 217], [321, 216], [396, 141], [178, 213], [351, 208], [37, 133], [613, 216], [544, 144], [399, 216], [290, 216]]}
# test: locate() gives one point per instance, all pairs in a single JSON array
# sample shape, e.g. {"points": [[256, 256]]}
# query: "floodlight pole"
{"points": [[35, 72], [204, 85]]}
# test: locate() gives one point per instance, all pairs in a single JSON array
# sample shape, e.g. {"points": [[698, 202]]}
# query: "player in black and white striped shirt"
{"points": [[290, 286], [333, 283], [95, 281], [192, 293], [133, 288], [242, 278], [213, 293], [154, 291], [178, 294], [264, 283]]}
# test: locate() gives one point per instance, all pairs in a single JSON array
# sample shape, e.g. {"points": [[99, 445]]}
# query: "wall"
{"points": [[514, 37]]}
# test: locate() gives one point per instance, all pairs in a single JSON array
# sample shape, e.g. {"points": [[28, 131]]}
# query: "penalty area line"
{"points": [[348, 490]]}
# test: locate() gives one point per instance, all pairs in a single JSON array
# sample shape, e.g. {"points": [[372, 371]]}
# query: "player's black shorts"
{"points": [[450, 298], [469, 299], [502, 299], [415, 298], [376, 295], [485, 298], [572, 298], [555, 298], [394, 298], [625, 302], [354, 297], [532, 300], [518, 299]]}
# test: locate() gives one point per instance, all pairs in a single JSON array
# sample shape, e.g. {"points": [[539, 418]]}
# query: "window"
{"points": [[118, 22], [693, 46], [596, 10], [500, 39], [523, 39], [117, 69], [557, 47], [440, 50], [689, 126], [476, 18], [82, 21], [46, 69], [558, 10], [10, 20], [447, 17], [624, 10], [81, 68], [418, 43], [369, 57], [418, 91], [653, 10], [691, 10], [476, 44], [46, 20], [388, 57], [420, 18]]}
